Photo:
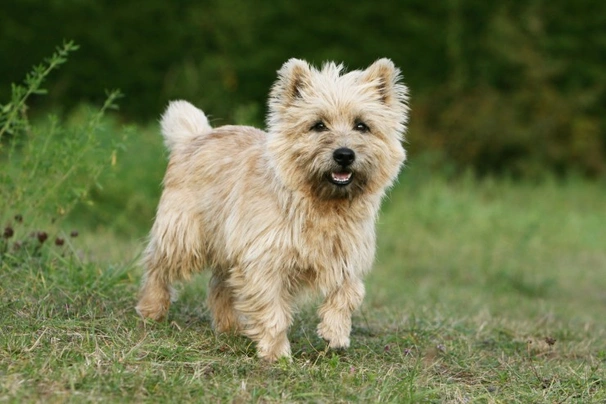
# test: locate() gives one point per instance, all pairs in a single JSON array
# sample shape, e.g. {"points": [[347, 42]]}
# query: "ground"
{"points": [[483, 291]]}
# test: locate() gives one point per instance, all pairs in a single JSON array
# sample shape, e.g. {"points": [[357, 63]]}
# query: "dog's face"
{"points": [[337, 135]]}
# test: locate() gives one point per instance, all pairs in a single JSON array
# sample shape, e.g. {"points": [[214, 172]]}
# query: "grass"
{"points": [[483, 291]]}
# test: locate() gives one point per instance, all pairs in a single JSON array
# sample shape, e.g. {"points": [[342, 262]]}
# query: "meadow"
{"points": [[484, 290]]}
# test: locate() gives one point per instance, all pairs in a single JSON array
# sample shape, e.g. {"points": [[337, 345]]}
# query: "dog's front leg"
{"points": [[265, 305], [335, 313]]}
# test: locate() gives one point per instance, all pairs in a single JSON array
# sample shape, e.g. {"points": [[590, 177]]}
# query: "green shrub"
{"points": [[47, 166]]}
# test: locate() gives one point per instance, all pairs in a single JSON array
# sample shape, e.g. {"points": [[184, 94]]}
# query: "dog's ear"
{"points": [[293, 77], [385, 77]]}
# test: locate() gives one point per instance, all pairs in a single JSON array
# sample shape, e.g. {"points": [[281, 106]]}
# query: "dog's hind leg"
{"points": [[174, 253], [221, 303], [154, 299]]}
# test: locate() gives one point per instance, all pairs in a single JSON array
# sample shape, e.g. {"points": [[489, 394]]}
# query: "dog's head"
{"points": [[334, 134]]}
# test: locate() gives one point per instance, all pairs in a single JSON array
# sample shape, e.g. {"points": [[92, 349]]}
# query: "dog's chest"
{"points": [[328, 244]]}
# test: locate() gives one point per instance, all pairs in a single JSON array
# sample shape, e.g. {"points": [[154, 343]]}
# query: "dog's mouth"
{"points": [[341, 177]]}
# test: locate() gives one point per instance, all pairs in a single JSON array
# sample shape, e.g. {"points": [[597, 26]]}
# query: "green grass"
{"points": [[483, 291]]}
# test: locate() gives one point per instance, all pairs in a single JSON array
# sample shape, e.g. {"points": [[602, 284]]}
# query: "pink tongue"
{"points": [[341, 176]]}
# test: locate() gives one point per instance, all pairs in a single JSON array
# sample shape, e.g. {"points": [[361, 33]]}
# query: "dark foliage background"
{"points": [[514, 87]]}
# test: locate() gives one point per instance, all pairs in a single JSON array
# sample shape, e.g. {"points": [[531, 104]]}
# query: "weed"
{"points": [[49, 167]]}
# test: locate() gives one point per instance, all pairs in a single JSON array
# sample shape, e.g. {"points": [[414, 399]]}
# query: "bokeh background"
{"points": [[489, 283], [512, 88]]}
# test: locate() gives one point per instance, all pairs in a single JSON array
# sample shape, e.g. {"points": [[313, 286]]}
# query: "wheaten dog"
{"points": [[273, 213]]}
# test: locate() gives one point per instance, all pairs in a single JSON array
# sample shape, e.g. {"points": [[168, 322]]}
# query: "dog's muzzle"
{"points": [[344, 157]]}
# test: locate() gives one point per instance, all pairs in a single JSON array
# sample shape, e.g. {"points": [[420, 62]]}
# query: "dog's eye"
{"points": [[319, 127], [361, 127]]}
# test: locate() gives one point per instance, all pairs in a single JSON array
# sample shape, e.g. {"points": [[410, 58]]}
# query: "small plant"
{"points": [[20, 248], [49, 166]]}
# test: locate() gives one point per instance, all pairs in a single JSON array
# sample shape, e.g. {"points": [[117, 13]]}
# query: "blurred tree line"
{"points": [[515, 87]]}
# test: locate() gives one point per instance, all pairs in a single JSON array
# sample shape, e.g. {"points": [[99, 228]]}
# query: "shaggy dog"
{"points": [[272, 213]]}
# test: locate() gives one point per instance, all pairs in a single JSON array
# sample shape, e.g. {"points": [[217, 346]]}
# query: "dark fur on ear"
{"points": [[292, 78], [385, 77]]}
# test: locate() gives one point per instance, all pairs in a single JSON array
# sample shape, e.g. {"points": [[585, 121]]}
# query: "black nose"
{"points": [[344, 156]]}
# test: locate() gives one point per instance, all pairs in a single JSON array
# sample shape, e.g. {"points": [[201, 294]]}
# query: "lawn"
{"points": [[483, 291]]}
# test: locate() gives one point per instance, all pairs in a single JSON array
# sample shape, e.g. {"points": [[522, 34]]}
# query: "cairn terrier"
{"points": [[273, 213]]}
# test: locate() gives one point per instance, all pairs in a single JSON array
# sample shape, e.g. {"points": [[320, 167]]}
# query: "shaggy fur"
{"points": [[273, 213]]}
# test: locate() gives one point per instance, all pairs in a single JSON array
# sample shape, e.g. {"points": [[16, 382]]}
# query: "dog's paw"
{"points": [[272, 357], [153, 309], [272, 350], [152, 313], [337, 339]]}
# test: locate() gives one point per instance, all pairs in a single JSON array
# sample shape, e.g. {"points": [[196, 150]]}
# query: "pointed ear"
{"points": [[384, 76], [294, 75]]}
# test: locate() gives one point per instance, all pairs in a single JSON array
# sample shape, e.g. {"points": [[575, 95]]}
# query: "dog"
{"points": [[273, 213]]}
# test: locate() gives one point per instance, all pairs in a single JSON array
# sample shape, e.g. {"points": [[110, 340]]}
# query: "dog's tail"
{"points": [[181, 122]]}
